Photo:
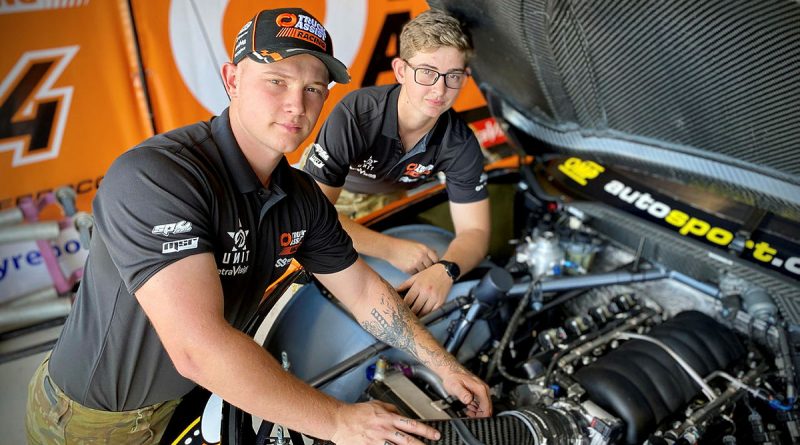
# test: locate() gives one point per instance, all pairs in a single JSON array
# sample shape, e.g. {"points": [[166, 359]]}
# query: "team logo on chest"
{"points": [[365, 167], [237, 255], [414, 172]]}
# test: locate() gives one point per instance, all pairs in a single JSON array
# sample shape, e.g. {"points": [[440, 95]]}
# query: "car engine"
{"points": [[582, 340]]}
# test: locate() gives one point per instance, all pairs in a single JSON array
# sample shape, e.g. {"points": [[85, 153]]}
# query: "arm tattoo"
{"points": [[392, 324]]}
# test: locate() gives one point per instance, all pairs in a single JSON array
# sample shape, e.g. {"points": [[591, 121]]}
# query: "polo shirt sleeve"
{"points": [[327, 247], [150, 210], [336, 146], [465, 179]]}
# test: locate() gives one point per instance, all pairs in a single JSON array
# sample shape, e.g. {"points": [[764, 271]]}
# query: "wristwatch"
{"points": [[452, 269]]}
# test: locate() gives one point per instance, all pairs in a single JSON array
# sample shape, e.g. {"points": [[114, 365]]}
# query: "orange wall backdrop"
{"points": [[71, 95], [184, 44]]}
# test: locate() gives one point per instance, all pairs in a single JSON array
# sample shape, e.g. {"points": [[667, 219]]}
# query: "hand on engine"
{"points": [[470, 390], [410, 256], [378, 423], [426, 290]]}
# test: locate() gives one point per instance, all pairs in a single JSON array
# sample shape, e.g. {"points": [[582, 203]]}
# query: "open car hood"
{"points": [[701, 93]]}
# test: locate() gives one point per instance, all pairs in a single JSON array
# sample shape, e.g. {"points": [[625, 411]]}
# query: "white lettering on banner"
{"points": [[346, 19], [44, 92]]}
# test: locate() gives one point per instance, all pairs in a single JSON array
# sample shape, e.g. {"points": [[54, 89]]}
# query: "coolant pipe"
{"points": [[375, 348], [605, 279], [492, 286], [430, 378], [696, 284], [460, 333]]}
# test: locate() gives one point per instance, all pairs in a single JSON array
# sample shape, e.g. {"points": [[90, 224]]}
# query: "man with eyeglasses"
{"points": [[380, 141]]}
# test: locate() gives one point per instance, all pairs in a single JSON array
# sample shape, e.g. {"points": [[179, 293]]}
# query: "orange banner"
{"points": [[70, 101], [185, 43]]}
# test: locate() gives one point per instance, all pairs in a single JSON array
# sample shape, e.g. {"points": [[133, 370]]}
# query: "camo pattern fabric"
{"points": [[356, 205], [54, 418]]}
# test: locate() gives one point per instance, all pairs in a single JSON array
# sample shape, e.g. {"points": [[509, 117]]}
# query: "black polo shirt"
{"points": [[178, 194], [359, 148]]}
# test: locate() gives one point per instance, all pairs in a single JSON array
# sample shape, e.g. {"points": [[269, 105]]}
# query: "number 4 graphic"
{"points": [[33, 114]]}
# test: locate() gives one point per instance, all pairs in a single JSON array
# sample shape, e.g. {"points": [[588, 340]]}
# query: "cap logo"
{"points": [[286, 20], [301, 27], [264, 54]]}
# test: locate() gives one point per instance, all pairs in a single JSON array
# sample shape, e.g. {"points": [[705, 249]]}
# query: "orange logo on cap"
{"points": [[286, 20]]}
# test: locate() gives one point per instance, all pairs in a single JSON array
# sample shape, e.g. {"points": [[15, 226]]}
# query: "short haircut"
{"points": [[432, 30]]}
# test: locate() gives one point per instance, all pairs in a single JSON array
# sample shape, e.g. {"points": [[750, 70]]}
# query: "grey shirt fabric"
{"points": [[182, 193], [359, 148]]}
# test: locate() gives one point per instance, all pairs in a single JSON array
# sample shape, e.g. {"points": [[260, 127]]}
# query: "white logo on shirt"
{"points": [[181, 244], [321, 152], [482, 182], [240, 252], [172, 228], [316, 161], [368, 164]]}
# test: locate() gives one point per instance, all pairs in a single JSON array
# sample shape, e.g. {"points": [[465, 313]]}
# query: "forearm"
{"points": [[365, 240], [468, 249], [245, 375], [389, 319]]}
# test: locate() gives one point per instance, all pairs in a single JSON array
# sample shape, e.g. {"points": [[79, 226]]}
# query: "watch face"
{"points": [[452, 269]]}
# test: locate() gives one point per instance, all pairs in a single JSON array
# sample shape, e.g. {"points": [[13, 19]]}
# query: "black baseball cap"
{"points": [[275, 34]]}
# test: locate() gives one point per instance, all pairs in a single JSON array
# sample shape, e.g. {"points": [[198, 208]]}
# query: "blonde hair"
{"points": [[432, 30]]}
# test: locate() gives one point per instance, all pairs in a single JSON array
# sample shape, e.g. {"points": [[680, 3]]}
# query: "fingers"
{"points": [[408, 426], [476, 400]]}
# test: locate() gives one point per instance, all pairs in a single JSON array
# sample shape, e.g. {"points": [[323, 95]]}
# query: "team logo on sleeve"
{"points": [[290, 242], [172, 228], [178, 245], [482, 182]]}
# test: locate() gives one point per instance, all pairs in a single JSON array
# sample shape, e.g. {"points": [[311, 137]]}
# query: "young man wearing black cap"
{"points": [[191, 226], [382, 140]]}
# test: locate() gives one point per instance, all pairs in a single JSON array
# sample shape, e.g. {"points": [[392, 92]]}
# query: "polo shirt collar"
{"points": [[240, 170]]}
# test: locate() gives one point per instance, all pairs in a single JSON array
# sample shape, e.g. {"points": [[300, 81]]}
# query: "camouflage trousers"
{"points": [[54, 418], [355, 205]]}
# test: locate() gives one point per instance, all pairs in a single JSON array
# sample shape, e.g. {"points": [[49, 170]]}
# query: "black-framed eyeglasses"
{"points": [[427, 77]]}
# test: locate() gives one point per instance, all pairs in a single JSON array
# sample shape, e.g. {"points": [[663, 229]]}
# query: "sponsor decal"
{"points": [[687, 221], [239, 253], [172, 228], [321, 152], [488, 132], [289, 242], [482, 182], [316, 161], [415, 172], [179, 245], [303, 27], [581, 171], [365, 167]]}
